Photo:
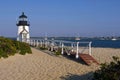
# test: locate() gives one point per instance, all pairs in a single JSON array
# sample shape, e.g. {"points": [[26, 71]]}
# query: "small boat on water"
{"points": [[113, 39], [77, 38]]}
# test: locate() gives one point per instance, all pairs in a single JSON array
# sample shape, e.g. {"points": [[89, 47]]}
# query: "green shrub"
{"points": [[3, 54], [43, 48], [109, 71], [17, 44], [58, 51], [10, 47], [6, 47], [25, 48]]}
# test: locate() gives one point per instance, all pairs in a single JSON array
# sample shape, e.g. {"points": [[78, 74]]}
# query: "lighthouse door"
{"points": [[24, 37]]}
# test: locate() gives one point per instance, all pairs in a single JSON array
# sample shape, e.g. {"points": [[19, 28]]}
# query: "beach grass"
{"points": [[10, 47]]}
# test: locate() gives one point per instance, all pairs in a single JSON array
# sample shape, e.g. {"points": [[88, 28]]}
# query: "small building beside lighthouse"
{"points": [[23, 34]]}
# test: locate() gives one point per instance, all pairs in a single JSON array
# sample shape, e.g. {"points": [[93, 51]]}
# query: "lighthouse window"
{"points": [[23, 19]]}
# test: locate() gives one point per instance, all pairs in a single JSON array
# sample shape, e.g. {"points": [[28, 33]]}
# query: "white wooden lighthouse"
{"points": [[23, 29]]}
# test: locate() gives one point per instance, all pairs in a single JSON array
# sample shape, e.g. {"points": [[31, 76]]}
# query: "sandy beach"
{"points": [[43, 66], [103, 55]]}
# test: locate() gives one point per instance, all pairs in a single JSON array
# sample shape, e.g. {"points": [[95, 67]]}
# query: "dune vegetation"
{"points": [[109, 71], [10, 47]]}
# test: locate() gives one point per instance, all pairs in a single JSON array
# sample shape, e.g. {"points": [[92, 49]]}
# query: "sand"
{"points": [[43, 66], [103, 55]]}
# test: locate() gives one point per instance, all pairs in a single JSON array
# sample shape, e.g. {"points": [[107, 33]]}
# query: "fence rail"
{"points": [[67, 46]]}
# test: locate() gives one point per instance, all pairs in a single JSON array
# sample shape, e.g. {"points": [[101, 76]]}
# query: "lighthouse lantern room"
{"points": [[23, 29]]}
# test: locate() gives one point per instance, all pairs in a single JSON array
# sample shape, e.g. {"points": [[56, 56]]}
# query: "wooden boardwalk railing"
{"points": [[72, 50]]}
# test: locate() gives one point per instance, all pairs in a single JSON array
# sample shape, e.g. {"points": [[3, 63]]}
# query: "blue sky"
{"points": [[62, 17]]}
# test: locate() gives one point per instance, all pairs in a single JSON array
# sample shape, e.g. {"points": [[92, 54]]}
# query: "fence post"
{"points": [[62, 49], [77, 56], [34, 42], [52, 45], [90, 51]]}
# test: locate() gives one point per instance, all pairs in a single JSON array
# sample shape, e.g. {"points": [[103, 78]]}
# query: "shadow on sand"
{"points": [[88, 76], [72, 57]]}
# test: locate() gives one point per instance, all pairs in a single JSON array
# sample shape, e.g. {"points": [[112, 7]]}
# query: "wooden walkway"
{"points": [[88, 59]]}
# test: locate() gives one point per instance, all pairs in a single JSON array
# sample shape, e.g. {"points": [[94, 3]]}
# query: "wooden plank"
{"points": [[88, 59]]}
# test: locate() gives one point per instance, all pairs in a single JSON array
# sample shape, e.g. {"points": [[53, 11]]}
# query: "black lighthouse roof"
{"points": [[23, 20], [23, 15]]}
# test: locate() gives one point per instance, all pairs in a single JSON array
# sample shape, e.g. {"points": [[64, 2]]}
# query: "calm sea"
{"points": [[105, 43], [95, 42], [100, 43]]}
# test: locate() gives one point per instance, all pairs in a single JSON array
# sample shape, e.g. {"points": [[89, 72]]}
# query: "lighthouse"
{"points": [[23, 25]]}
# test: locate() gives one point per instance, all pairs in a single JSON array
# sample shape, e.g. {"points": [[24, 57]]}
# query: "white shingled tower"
{"points": [[23, 29]]}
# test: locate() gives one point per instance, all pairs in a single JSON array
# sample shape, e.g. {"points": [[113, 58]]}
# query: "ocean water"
{"points": [[95, 42], [105, 43], [99, 43]]}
